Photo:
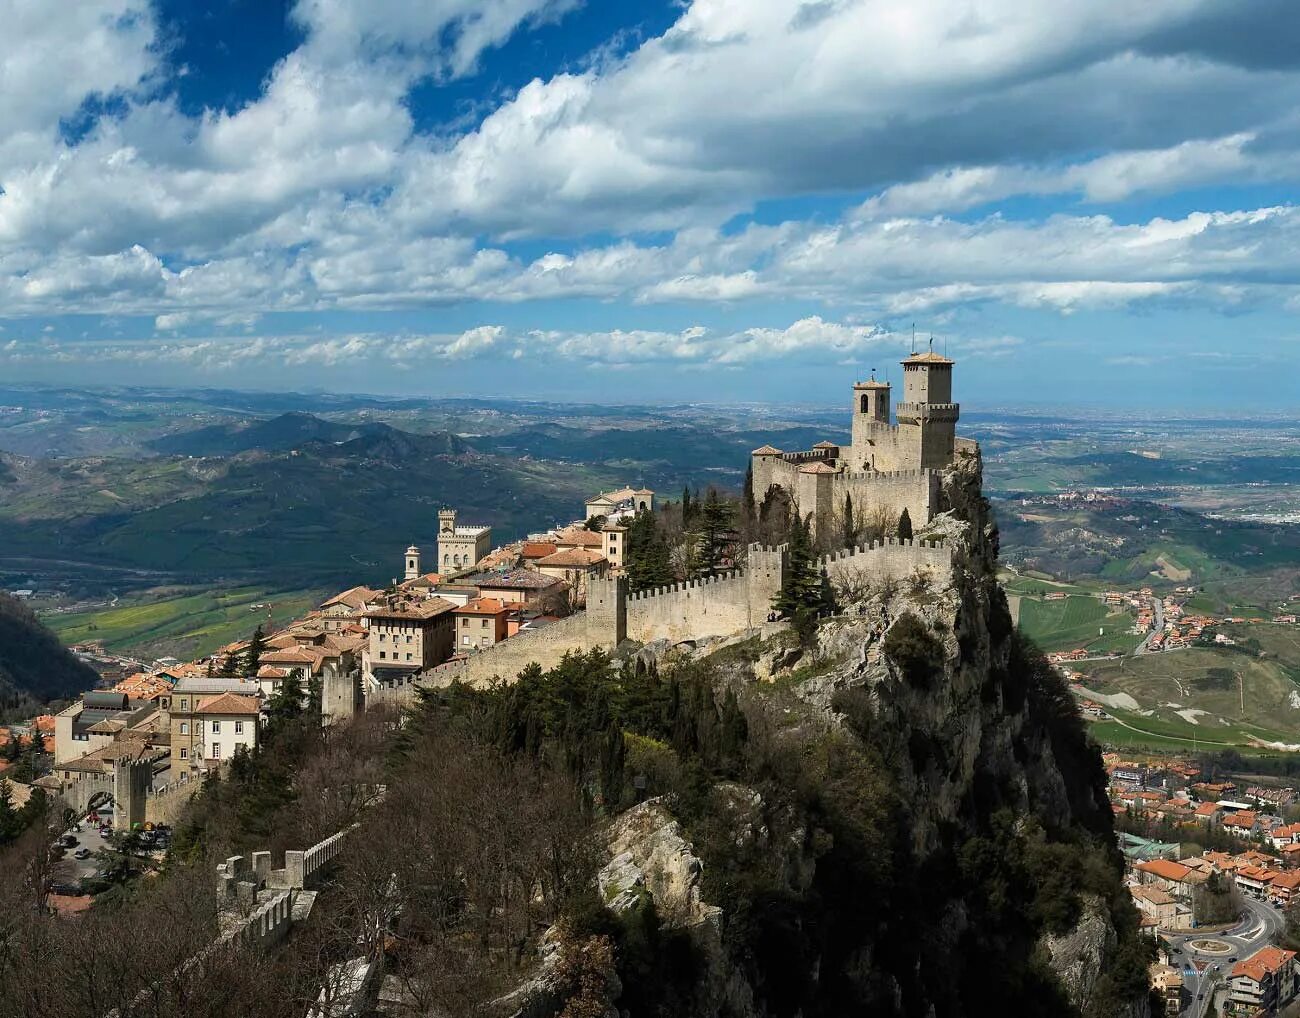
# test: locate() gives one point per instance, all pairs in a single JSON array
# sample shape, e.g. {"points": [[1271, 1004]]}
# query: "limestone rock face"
{"points": [[649, 854], [1077, 957]]}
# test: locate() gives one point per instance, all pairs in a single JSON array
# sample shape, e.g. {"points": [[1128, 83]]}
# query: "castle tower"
{"points": [[412, 562], [870, 417], [446, 520], [607, 610], [927, 416]]}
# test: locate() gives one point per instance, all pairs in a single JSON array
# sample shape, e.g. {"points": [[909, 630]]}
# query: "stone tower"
{"points": [[870, 422], [607, 610], [132, 780], [412, 562], [927, 416]]}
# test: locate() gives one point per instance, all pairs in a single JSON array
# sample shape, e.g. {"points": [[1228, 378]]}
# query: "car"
{"points": [[1233, 958], [105, 831], [82, 853], [68, 841], [68, 890]]}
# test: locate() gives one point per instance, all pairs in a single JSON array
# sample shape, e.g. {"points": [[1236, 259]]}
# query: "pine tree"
{"points": [[256, 646], [687, 510], [715, 520], [647, 559], [850, 533], [826, 603], [230, 666], [801, 584], [905, 526]]}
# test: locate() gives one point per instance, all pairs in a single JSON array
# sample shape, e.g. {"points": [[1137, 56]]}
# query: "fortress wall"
{"points": [[915, 490], [891, 560], [505, 660], [716, 606], [164, 805]]}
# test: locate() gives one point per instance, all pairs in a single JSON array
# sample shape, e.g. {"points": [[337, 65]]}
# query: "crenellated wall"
{"points": [[890, 560], [714, 606]]}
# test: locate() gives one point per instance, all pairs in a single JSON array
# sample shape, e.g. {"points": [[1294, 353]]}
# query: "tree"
{"points": [[712, 536], [230, 666], [800, 596], [596, 523], [285, 704], [849, 525], [748, 506], [256, 646], [687, 509], [905, 526], [646, 557]]}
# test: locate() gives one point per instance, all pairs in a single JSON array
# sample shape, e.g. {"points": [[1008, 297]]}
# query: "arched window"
{"points": [[865, 403], [643, 506], [446, 559]]}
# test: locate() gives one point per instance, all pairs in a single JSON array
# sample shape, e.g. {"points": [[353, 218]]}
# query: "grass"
{"points": [[1264, 672], [180, 622], [1077, 621]]}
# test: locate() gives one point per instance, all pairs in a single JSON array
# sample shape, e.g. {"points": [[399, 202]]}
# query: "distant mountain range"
{"points": [[296, 430]]}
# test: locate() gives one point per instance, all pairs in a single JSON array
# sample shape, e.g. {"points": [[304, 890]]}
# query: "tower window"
{"points": [[865, 404]]}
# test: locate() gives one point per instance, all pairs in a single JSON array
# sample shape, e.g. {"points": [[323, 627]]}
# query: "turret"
{"points": [[446, 520], [412, 562], [927, 414], [870, 418]]}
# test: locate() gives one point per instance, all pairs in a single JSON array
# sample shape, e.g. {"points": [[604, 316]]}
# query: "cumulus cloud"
{"points": [[321, 194]]}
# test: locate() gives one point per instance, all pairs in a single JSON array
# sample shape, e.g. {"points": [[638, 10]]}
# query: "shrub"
{"points": [[914, 649]]}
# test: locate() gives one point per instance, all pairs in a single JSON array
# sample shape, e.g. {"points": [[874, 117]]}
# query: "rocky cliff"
{"points": [[919, 827]]}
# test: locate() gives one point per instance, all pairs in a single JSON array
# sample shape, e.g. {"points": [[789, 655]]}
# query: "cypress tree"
{"points": [[801, 584], [687, 509], [230, 667], [850, 523], [905, 526], [255, 648], [715, 522]]}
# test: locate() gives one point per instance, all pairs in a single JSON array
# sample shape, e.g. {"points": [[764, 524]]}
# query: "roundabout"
{"points": [[1210, 946]]}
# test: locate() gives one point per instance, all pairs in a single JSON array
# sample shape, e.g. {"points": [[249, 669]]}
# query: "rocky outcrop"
{"points": [[1078, 957]]}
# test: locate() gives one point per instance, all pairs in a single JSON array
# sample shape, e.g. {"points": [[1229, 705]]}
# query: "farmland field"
{"points": [[182, 623], [1078, 620]]}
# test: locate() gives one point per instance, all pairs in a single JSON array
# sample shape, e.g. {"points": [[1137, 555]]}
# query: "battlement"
{"points": [[806, 456], [696, 584], [885, 476], [890, 559], [889, 542]]}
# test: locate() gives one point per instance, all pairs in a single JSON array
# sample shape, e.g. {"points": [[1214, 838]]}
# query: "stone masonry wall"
{"points": [[891, 560], [717, 606]]}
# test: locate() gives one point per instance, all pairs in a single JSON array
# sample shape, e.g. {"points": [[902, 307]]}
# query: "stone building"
{"points": [[887, 466], [615, 505], [187, 716], [406, 638], [459, 547]]}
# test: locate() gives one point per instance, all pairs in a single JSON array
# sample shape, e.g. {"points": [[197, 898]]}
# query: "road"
{"points": [[1158, 624], [1261, 925]]}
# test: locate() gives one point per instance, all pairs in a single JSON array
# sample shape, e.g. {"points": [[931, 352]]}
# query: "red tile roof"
{"points": [[227, 703], [1262, 963]]}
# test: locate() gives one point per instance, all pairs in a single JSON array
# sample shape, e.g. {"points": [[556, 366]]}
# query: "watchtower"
{"points": [[412, 562], [927, 416], [870, 419], [607, 610]]}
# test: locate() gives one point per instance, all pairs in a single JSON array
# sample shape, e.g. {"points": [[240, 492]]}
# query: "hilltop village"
{"points": [[876, 537]]}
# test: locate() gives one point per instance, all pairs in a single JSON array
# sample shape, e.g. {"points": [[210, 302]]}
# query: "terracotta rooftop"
{"points": [[517, 579], [538, 549], [353, 597], [483, 606], [1262, 963], [766, 450], [572, 557], [578, 537], [420, 610], [228, 703], [1166, 869], [817, 468]]}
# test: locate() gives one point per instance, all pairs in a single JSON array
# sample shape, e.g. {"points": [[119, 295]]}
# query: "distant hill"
{"points": [[34, 666], [288, 431]]}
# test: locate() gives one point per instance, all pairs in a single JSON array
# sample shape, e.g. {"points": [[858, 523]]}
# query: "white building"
{"points": [[225, 722]]}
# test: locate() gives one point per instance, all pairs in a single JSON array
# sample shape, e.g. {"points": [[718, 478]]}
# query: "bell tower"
{"points": [[412, 562], [870, 419]]}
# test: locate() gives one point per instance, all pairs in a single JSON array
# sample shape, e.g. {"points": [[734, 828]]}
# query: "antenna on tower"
{"points": [[914, 337], [932, 342]]}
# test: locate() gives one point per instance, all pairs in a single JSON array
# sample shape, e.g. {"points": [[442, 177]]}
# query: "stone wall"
{"points": [[890, 561], [718, 606], [163, 805]]}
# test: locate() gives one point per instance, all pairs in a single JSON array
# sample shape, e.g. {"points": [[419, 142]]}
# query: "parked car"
{"points": [[68, 841], [82, 853]]}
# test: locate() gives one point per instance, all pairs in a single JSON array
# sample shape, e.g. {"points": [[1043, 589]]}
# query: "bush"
{"points": [[914, 649]]}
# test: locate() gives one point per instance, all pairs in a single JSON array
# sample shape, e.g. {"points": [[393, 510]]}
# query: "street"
{"points": [[1261, 925]]}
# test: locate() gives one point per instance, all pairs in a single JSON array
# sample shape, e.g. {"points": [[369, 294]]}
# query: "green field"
{"points": [[1077, 621], [182, 623], [1252, 690]]}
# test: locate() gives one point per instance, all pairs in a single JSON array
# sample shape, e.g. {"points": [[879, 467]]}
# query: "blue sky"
{"points": [[1087, 203]]}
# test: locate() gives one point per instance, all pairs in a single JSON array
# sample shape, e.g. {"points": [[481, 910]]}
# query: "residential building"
{"points": [[341, 608], [574, 566], [187, 735], [1264, 983], [95, 721], [614, 505], [405, 638], [1284, 888], [1242, 822], [1167, 982], [226, 722], [1156, 904], [530, 587], [481, 623], [1255, 880]]}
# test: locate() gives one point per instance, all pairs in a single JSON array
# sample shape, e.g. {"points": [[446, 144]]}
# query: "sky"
{"points": [[1085, 202]]}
